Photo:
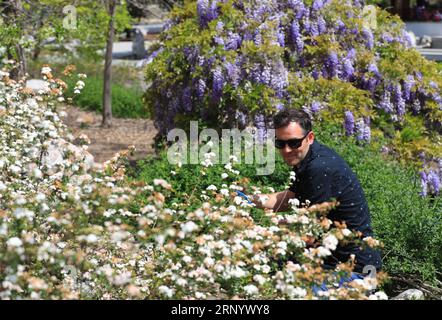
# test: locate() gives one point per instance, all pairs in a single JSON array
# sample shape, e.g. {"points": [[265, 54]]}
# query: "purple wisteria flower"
{"points": [[347, 69], [385, 103], [373, 68], [233, 73], [219, 26], [317, 5], [259, 121], [340, 26], [187, 99], [363, 131], [434, 182], [424, 183], [408, 41], [280, 35], [218, 83], [233, 41], [322, 25], [388, 38], [279, 106], [399, 101], [297, 37], [409, 84], [349, 123], [316, 107], [351, 55], [331, 65], [200, 88], [280, 78], [315, 74], [266, 75], [368, 37], [202, 7]]}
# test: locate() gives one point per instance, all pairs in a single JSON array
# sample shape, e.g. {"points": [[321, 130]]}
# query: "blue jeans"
{"points": [[342, 282]]}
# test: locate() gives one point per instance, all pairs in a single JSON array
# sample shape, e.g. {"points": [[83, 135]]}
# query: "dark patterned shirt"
{"points": [[324, 175]]}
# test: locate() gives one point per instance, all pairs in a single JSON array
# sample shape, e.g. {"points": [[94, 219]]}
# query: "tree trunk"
{"points": [[107, 90], [20, 71]]}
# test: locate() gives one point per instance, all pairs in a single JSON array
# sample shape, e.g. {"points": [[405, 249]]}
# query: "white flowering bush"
{"points": [[74, 229]]}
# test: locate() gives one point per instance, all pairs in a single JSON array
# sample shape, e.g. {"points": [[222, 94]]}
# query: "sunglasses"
{"points": [[292, 143]]}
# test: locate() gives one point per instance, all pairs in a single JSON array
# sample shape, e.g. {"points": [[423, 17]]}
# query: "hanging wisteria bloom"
{"points": [[233, 73], [200, 88], [369, 38], [218, 83], [349, 123], [399, 101], [297, 37], [363, 131]]}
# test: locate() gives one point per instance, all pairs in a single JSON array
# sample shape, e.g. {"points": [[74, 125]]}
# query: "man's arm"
{"points": [[278, 201]]}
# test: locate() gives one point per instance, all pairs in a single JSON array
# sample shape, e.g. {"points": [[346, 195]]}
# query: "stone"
{"points": [[410, 294], [425, 42], [138, 49]]}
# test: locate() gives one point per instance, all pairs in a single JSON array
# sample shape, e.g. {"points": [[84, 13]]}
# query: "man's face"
{"points": [[294, 131]]}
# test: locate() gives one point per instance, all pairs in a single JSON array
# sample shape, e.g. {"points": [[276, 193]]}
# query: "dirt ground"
{"points": [[106, 142]]}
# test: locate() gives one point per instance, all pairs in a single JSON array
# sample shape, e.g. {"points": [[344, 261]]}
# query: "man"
{"points": [[321, 174]]}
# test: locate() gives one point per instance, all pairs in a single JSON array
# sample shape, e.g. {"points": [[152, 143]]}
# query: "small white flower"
{"points": [[330, 242], [166, 291], [251, 290], [292, 176], [212, 187], [189, 227], [91, 238], [37, 173], [294, 203], [224, 175], [323, 252], [259, 278], [14, 242], [46, 70]]}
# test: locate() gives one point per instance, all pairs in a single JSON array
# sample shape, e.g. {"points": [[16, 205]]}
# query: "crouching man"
{"points": [[321, 174]]}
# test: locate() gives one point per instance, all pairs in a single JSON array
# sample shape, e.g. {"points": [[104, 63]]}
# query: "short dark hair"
{"points": [[284, 117]]}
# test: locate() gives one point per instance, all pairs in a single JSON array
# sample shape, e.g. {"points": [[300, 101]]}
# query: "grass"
{"points": [[127, 91]]}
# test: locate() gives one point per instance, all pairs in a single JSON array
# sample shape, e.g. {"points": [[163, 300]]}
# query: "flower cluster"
{"points": [[431, 178]]}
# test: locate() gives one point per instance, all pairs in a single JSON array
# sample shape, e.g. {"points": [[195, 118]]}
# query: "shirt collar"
{"points": [[311, 154]]}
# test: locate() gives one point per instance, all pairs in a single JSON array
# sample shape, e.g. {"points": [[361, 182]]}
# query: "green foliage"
{"points": [[409, 225], [126, 102]]}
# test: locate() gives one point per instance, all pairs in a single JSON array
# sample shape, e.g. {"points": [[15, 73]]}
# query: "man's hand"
{"points": [[278, 202]]}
